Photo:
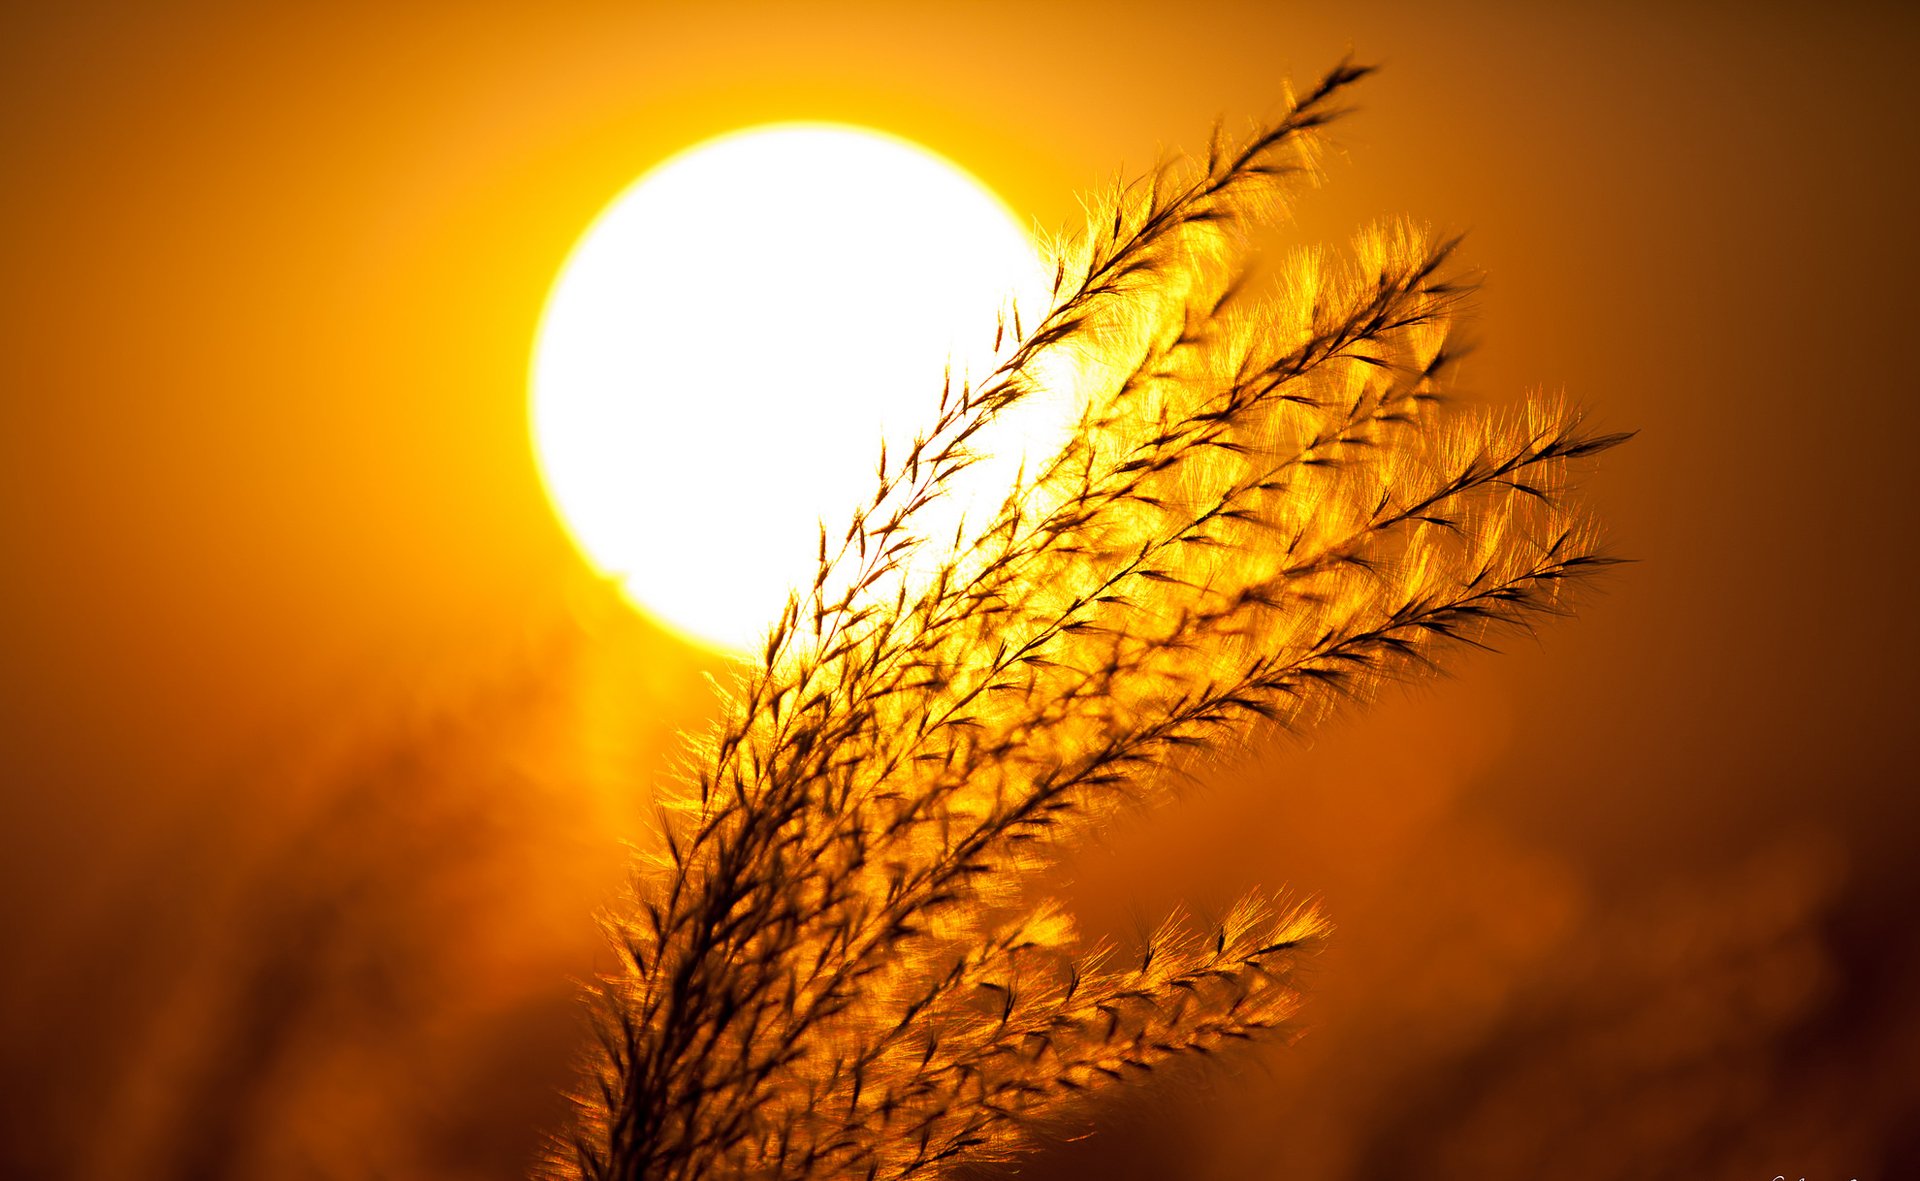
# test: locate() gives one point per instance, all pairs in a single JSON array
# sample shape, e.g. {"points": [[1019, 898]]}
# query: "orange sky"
{"points": [[275, 548]]}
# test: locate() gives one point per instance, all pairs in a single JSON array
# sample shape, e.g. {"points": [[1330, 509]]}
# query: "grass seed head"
{"points": [[841, 967]]}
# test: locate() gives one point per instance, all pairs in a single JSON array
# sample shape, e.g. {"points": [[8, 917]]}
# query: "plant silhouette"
{"points": [[840, 965]]}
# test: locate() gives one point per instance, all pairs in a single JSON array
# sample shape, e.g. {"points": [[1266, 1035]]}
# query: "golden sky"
{"points": [[321, 743]]}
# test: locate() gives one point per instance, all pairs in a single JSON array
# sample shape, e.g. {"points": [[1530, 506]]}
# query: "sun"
{"points": [[728, 342]]}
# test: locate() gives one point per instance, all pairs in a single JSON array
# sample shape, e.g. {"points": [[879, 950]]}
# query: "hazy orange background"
{"points": [[320, 744]]}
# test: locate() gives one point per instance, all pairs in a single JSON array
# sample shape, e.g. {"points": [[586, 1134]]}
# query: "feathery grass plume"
{"points": [[839, 968]]}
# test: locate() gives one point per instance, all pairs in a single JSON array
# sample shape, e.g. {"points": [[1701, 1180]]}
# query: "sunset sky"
{"points": [[322, 746]]}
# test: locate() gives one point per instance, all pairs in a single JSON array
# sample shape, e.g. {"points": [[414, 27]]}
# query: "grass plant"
{"points": [[842, 964]]}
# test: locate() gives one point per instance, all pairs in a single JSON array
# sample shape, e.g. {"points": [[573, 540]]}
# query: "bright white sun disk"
{"points": [[727, 343]]}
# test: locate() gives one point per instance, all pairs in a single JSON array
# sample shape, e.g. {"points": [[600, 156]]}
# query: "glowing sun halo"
{"points": [[728, 341]]}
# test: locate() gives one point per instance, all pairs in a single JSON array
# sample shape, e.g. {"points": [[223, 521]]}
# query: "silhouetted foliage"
{"points": [[838, 968]]}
